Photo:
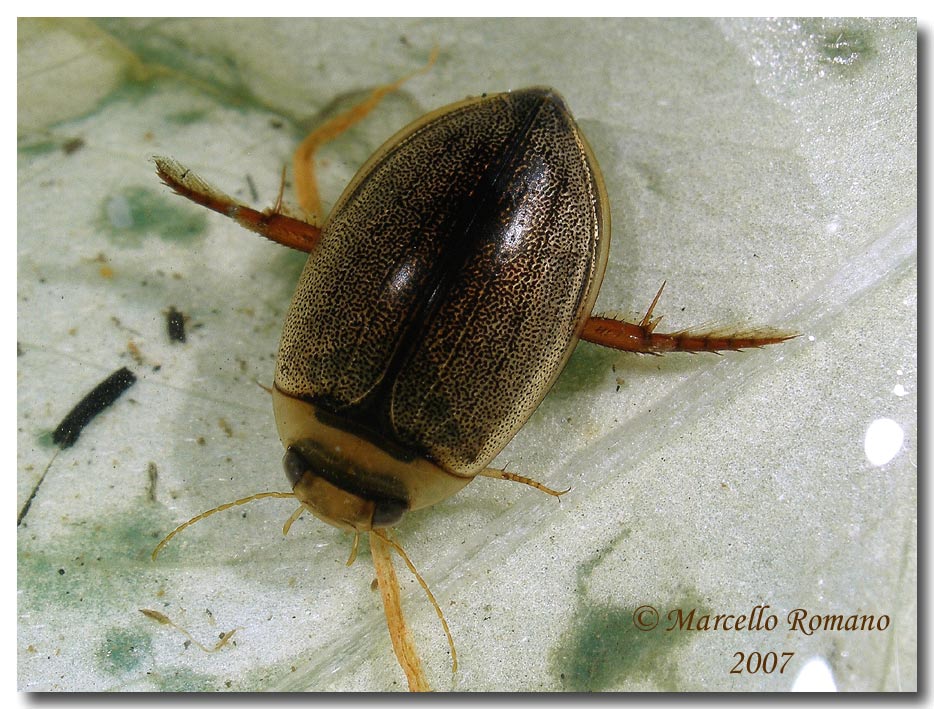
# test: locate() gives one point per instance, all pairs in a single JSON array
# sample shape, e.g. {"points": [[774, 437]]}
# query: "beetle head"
{"points": [[351, 478], [337, 492]]}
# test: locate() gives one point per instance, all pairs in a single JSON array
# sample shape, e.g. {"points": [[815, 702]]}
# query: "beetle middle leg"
{"points": [[306, 184], [274, 223], [641, 337], [381, 543]]}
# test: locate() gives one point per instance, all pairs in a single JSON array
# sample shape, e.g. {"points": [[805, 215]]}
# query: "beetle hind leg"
{"points": [[273, 223], [641, 337]]}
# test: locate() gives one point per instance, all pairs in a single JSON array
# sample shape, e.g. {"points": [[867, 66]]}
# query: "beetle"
{"points": [[440, 301]]}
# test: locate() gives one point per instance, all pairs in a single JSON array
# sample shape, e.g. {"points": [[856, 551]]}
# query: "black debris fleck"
{"points": [[98, 399], [153, 473], [72, 146], [175, 322]]}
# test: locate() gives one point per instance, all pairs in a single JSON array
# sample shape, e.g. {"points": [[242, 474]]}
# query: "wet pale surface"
{"points": [[766, 169]]}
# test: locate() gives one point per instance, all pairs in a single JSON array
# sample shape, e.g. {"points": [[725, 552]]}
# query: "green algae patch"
{"points": [[134, 213]]}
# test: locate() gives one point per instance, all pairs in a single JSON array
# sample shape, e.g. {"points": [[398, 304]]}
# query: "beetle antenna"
{"points": [[221, 508], [431, 597]]}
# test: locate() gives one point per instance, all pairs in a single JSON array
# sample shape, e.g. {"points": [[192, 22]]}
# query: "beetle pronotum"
{"points": [[441, 299]]}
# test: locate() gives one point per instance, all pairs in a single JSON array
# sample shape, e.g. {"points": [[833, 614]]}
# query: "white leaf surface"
{"points": [[766, 169]]}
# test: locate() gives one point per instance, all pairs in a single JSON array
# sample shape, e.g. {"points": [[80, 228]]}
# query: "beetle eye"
{"points": [[295, 465], [388, 513]]}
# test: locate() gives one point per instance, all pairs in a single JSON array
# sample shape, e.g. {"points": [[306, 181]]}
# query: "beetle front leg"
{"points": [[641, 337], [498, 474]]}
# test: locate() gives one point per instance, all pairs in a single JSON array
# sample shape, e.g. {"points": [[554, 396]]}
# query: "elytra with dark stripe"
{"points": [[452, 280]]}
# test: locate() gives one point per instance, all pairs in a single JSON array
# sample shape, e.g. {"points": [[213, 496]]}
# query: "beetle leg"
{"points": [[272, 223], [503, 475], [353, 550], [306, 184], [292, 520], [641, 337], [402, 643], [385, 535]]}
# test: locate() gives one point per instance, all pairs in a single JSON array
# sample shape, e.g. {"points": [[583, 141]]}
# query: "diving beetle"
{"points": [[441, 299]]}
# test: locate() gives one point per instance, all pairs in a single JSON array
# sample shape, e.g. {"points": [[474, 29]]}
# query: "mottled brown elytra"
{"points": [[441, 299]]}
